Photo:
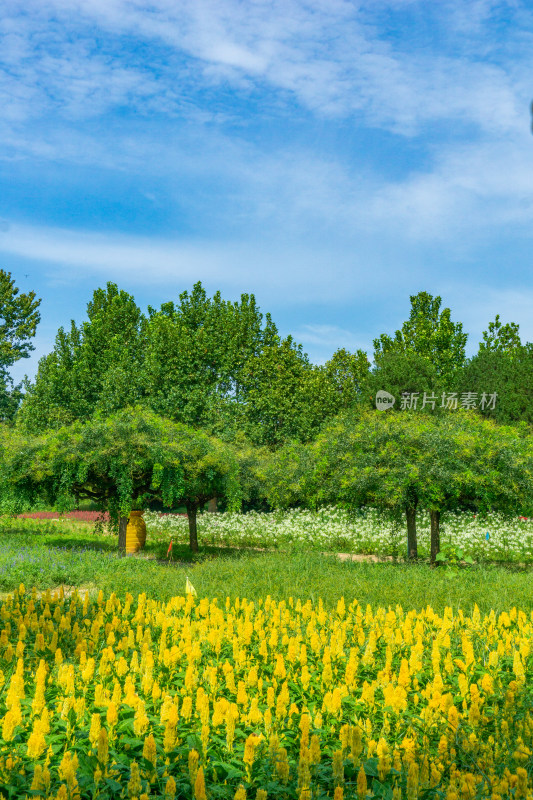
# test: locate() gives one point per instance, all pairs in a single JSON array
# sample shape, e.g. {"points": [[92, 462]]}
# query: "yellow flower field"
{"points": [[203, 699]]}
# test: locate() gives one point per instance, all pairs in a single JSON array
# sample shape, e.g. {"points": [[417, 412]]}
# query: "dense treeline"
{"points": [[203, 398], [223, 367]]}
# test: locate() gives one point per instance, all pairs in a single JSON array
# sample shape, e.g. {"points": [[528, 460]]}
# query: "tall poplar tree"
{"points": [[94, 367], [19, 317], [429, 333]]}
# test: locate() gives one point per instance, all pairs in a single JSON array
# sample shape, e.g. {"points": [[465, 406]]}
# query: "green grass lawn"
{"points": [[47, 554]]}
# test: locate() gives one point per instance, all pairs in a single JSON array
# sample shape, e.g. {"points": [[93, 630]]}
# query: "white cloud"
{"points": [[470, 191], [333, 58], [305, 273], [329, 338]]}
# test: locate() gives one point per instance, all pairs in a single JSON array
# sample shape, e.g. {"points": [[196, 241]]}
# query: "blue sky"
{"points": [[332, 157]]}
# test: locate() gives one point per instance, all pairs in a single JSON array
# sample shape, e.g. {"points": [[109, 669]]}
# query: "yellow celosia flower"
{"points": [[140, 719], [67, 770], [250, 747], [36, 741], [111, 714], [134, 783], [94, 730], [199, 785], [338, 768], [257, 669], [8, 726], [193, 765], [362, 785], [103, 747], [412, 781], [37, 783], [282, 764]]}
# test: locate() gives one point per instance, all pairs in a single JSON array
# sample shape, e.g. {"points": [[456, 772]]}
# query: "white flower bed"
{"points": [[334, 530]]}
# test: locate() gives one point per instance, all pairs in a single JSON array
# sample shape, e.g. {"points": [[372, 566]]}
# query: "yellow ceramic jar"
{"points": [[135, 532]]}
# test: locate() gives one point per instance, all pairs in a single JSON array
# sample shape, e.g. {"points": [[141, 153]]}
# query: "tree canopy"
{"points": [[122, 461], [399, 462], [501, 338], [95, 367], [429, 333], [206, 362], [506, 373], [19, 317]]}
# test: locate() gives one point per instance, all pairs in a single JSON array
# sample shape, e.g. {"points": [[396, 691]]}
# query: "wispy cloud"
{"points": [[68, 257], [331, 152], [329, 337], [336, 58]]}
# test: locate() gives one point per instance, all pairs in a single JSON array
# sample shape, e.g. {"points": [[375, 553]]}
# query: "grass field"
{"points": [[47, 554]]}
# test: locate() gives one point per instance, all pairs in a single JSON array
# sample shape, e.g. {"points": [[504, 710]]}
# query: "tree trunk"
{"points": [[435, 534], [192, 508], [122, 525], [212, 505], [412, 546]]}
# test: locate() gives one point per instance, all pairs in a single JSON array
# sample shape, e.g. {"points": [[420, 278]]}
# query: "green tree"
{"points": [[19, 317], [372, 459], [401, 462], [197, 353], [338, 384], [277, 394], [502, 380], [501, 338], [206, 362], [216, 364], [122, 462], [472, 463], [94, 367], [399, 373], [286, 475], [431, 334]]}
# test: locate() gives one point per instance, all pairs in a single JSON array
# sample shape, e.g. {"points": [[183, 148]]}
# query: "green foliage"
{"points": [[198, 355], [370, 459], [508, 372], [286, 475], [398, 461], [453, 559], [501, 338], [122, 462], [204, 362], [457, 460], [277, 395], [94, 368], [429, 333], [471, 462], [214, 364], [338, 385], [19, 317], [399, 372]]}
